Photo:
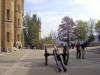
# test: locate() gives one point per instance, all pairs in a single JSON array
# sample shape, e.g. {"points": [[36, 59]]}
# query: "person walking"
{"points": [[78, 50], [83, 47]]}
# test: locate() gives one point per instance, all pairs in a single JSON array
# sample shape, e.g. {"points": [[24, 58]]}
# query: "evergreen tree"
{"points": [[31, 30]]}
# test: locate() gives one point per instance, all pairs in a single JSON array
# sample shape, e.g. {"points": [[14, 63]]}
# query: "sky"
{"points": [[51, 12]]}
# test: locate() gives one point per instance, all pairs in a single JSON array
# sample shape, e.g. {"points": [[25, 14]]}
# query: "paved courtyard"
{"points": [[31, 62]]}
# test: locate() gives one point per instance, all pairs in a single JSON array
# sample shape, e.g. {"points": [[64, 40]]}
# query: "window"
{"points": [[8, 36], [18, 23], [8, 14], [18, 37]]}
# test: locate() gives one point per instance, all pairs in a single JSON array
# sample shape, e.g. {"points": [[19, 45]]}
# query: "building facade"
{"points": [[18, 19], [11, 18], [0, 25]]}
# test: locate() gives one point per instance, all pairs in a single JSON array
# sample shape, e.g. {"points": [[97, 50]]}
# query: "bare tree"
{"points": [[53, 34], [91, 24], [91, 27]]}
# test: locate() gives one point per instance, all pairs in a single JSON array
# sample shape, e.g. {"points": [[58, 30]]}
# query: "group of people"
{"points": [[18, 45], [80, 50]]}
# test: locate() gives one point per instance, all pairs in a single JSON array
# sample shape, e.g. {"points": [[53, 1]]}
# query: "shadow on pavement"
{"points": [[38, 67]]}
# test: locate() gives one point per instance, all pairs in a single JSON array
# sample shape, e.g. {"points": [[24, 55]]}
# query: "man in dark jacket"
{"points": [[78, 49]]}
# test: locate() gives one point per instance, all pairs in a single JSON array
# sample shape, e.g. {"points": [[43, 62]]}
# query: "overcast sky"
{"points": [[52, 11]]}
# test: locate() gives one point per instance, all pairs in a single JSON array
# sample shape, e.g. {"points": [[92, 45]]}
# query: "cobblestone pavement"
{"points": [[31, 62]]}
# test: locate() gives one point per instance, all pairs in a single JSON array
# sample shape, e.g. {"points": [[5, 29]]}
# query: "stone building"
{"points": [[11, 21], [0, 25], [39, 33]]}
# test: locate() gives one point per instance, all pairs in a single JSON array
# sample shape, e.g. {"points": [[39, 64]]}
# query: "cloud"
{"points": [[92, 7], [87, 1], [81, 1], [35, 1], [50, 22]]}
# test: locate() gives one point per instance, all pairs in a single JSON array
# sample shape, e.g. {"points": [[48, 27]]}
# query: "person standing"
{"points": [[65, 51], [78, 50]]}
